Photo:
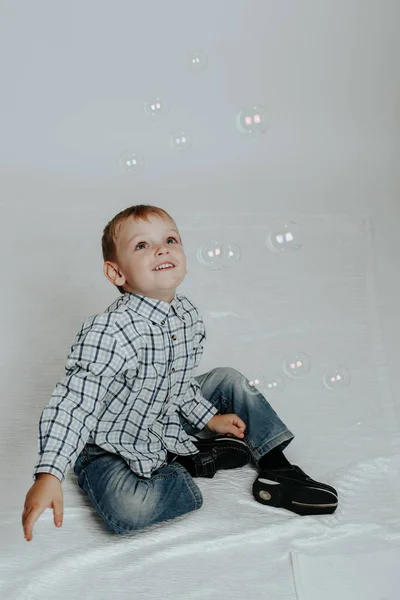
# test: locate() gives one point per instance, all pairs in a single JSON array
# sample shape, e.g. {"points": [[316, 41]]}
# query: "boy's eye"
{"points": [[169, 238]]}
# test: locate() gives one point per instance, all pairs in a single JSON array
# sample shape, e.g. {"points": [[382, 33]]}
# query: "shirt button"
{"points": [[173, 337], [173, 370]]}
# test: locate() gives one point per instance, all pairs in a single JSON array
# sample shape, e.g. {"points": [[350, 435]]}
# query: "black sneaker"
{"points": [[291, 488], [219, 452]]}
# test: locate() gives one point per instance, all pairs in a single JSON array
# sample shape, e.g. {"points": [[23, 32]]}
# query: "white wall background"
{"points": [[74, 79]]}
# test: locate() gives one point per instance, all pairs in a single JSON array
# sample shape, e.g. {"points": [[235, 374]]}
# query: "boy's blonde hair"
{"points": [[111, 230]]}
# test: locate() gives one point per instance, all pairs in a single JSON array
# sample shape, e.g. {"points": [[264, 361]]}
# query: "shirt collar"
{"points": [[151, 308]]}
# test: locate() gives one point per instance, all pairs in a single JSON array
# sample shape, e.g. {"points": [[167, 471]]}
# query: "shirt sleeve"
{"points": [[94, 360], [195, 408]]}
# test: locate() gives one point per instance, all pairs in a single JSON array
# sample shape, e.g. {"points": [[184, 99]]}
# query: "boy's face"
{"points": [[141, 246]]}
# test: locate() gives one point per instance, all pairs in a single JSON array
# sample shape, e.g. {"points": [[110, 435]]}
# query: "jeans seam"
{"points": [[161, 475], [108, 519], [189, 481]]}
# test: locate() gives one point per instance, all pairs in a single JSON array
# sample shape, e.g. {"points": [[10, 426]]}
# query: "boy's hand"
{"points": [[229, 424], [46, 492]]}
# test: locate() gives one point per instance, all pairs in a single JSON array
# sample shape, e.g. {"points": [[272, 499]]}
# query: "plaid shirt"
{"points": [[128, 376]]}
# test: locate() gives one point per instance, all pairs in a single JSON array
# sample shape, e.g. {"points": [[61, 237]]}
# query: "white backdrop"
{"points": [[75, 78]]}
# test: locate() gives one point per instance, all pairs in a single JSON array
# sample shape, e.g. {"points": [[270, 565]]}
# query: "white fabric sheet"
{"points": [[368, 575], [232, 548]]}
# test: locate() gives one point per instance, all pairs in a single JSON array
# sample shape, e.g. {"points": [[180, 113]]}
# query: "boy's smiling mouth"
{"points": [[164, 266], [165, 269]]}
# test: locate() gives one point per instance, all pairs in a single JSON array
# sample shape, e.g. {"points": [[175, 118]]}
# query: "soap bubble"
{"points": [[337, 378], [284, 238], [155, 109], [296, 365], [216, 254], [130, 162], [250, 385], [252, 120], [181, 141], [274, 385], [197, 61]]}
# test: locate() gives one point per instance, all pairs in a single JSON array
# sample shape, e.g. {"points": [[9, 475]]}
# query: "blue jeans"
{"points": [[128, 502]]}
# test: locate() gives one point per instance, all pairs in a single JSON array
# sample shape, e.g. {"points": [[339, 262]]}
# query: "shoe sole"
{"points": [[280, 495]]}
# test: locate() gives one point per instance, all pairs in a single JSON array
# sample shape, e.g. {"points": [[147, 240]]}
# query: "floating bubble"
{"points": [[181, 141], [130, 162], [252, 120], [337, 378], [250, 385], [197, 61], [284, 238], [296, 366], [274, 385], [216, 254], [155, 109]]}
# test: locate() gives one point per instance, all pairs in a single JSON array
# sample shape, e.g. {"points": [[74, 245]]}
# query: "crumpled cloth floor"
{"points": [[232, 548], [367, 575]]}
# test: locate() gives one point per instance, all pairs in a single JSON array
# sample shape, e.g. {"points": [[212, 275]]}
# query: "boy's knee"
{"points": [[227, 371], [124, 524], [153, 504]]}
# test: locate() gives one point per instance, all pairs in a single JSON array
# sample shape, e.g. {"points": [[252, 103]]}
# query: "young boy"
{"points": [[127, 408]]}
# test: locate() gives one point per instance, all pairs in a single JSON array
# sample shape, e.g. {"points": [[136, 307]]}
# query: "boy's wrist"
{"points": [[45, 475], [207, 425]]}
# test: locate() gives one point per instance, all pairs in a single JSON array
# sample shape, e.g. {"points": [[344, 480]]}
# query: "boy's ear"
{"points": [[112, 273]]}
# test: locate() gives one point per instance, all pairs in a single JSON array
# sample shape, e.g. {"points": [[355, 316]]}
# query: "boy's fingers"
{"points": [[30, 520], [24, 517], [28, 528], [58, 512], [241, 424]]}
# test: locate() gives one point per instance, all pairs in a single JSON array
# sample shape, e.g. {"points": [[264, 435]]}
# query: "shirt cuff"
{"points": [[198, 411], [53, 464]]}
